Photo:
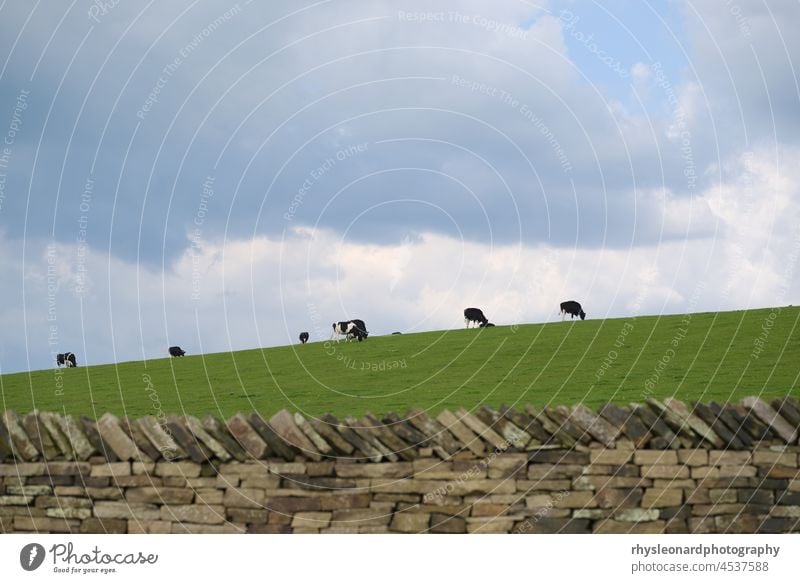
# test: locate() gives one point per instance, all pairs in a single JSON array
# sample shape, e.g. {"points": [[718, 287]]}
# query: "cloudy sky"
{"points": [[225, 175]]}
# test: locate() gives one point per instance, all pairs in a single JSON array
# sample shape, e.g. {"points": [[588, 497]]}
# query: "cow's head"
{"points": [[583, 315]]}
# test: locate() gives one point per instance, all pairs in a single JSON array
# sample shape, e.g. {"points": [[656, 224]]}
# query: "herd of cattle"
{"points": [[357, 330]]}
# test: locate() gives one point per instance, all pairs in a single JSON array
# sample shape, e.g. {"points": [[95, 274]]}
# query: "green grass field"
{"points": [[708, 356]]}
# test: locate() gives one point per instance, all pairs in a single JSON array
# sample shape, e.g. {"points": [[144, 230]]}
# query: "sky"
{"points": [[225, 175]]}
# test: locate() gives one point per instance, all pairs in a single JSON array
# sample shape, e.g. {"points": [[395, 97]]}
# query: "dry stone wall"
{"points": [[655, 467]]}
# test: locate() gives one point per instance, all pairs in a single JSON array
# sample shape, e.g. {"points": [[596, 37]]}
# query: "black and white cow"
{"points": [[475, 315], [67, 359], [357, 330], [176, 351], [339, 329], [572, 308], [350, 329], [303, 337]]}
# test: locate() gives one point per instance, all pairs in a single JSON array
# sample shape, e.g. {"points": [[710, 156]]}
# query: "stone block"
{"points": [[311, 520], [209, 496], [554, 471], [248, 515], [126, 510], [67, 512], [205, 528], [466, 487], [661, 498], [411, 522], [111, 469], [292, 504], [163, 495], [774, 458], [107, 526], [371, 470], [117, 439], [361, 517], [16, 500], [644, 457], [552, 525], [637, 515], [728, 457], [488, 509], [46, 524], [68, 469], [619, 497], [610, 456], [737, 524], [143, 467], [489, 525], [345, 501], [22, 469], [149, 527], [693, 457], [270, 482], [284, 425], [182, 469], [620, 527], [193, 513], [244, 498], [447, 524], [31, 490], [665, 471]]}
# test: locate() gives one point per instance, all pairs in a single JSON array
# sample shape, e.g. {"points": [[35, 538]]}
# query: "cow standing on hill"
{"points": [[67, 359], [572, 308], [475, 315], [357, 330], [303, 337], [176, 351]]}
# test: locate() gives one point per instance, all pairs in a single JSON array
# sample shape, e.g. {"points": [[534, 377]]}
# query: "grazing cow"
{"points": [[340, 329], [303, 337], [475, 315], [573, 309], [67, 359], [357, 329], [176, 351], [396, 333], [350, 329]]}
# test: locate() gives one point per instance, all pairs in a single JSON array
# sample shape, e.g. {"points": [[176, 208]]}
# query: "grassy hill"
{"points": [[720, 356]]}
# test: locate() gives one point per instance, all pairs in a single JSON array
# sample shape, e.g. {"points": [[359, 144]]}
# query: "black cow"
{"points": [[358, 330], [573, 309], [475, 315], [396, 333], [67, 359], [303, 337], [176, 351]]}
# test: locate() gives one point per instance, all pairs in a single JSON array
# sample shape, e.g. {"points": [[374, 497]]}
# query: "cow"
{"points": [[339, 329], [67, 359], [396, 333], [350, 329], [475, 315], [572, 308], [176, 351], [303, 337], [357, 330]]}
